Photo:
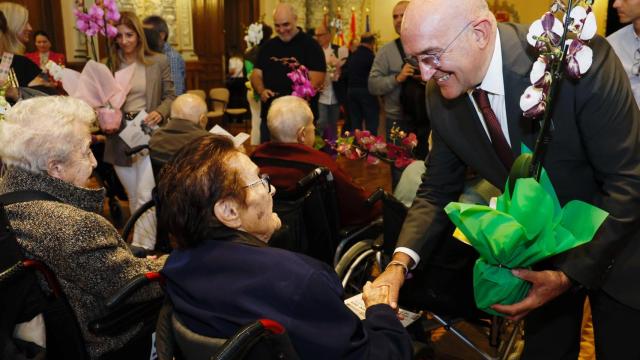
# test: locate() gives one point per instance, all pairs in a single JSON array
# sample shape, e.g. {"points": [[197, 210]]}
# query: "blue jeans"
{"points": [[363, 105], [328, 120]]}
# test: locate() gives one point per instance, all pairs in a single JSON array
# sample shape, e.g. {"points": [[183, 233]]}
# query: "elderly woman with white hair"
{"points": [[45, 148]]}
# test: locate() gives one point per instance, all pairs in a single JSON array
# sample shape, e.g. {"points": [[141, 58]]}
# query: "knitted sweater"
{"points": [[88, 256]]}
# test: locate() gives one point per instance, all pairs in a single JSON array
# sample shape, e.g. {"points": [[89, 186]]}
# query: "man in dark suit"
{"points": [[594, 157]]}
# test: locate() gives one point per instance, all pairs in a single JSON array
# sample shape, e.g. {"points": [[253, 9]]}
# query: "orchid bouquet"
{"points": [[299, 76], [99, 19], [558, 55], [399, 151]]}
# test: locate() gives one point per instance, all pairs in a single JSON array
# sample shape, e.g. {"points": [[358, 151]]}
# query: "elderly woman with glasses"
{"points": [[218, 210], [45, 148]]}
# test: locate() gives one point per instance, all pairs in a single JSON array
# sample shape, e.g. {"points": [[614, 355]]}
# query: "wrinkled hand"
{"points": [[393, 277], [407, 71], [266, 94], [153, 118], [545, 286], [374, 295]]}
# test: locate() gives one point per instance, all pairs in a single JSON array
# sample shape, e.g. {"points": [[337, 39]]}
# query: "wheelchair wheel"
{"points": [[144, 219], [357, 266]]}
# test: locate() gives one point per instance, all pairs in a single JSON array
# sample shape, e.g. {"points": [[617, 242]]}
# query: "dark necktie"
{"points": [[500, 144]]}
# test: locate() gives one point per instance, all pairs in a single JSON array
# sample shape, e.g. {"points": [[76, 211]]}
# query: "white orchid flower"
{"points": [[579, 58], [539, 72], [532, 102], [547, 27]]}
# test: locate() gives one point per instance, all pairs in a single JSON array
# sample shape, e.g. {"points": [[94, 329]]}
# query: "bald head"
{"points": [[287, 116], [398, 12], [285, 20], [323, 35], [453, 39], [189, 107]]}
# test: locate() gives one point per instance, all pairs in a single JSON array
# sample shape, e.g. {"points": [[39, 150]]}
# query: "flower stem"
{"points": [[545, 136]]}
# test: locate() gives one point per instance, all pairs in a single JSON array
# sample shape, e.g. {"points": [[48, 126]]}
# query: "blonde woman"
{"points": [[15, 31], [151, 91]]}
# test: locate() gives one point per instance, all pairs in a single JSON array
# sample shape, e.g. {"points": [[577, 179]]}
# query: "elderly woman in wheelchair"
{"points": [[45, 150], [218, 210]]}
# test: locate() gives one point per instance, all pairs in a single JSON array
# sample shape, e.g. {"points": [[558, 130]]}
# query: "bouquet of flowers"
{"points": [[361, 144], [98, 85], [99, 19], [299, 76], [527, 223]]}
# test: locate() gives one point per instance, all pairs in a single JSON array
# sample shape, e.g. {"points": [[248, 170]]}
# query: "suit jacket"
{"points": [[225, 283], [160, 94], [594, 157]]}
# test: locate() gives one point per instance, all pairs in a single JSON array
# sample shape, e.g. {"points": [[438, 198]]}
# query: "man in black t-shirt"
{"points": [[269, 77]]}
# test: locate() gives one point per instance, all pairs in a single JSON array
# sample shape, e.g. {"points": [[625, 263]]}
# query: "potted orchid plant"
{"points": [[527, 223], [98, 19]]}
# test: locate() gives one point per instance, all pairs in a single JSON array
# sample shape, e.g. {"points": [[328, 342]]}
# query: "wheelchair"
{"points": [[140, 218], [22, 299], [366, 259], [263, 339], [309, 213]]}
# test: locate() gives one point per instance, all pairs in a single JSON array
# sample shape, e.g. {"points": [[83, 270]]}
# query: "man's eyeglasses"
{"points": [[635, 68], [432, 61], [264, 180]]}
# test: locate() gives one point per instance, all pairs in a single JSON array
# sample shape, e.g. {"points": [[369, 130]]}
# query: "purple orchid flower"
{"points": [[532, 102], [547, 27], [579, 58]]}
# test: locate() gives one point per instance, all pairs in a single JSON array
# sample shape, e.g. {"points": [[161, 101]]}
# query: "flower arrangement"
{"points": [[299, 76], [253, 35], [99, 19], [362, 144], [558, 55]]}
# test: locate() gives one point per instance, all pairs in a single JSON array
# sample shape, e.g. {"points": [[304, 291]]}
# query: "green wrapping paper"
{"points": [[525, 228]]}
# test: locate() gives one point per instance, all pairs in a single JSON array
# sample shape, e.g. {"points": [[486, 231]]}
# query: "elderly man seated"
{"points": [[219, 209], [290, 123], [187, 122]]}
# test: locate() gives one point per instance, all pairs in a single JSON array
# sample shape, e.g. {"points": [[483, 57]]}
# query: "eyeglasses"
{"points": [[432, 61], [264, 180], [635, 68]]}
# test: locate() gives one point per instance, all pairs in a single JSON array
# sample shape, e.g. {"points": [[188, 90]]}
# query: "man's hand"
{"points": [[153, 118], [374, 295], [545, 286], [394, 276], [266, 94], [407, 70]]}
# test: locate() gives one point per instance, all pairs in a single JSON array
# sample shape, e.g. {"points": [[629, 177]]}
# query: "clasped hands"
{"points": [[545, 286]]}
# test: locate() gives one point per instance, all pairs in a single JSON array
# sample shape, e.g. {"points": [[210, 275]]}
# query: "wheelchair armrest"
{"points": [[19, 267], [242, 342], [126, 291], [375, 196]]}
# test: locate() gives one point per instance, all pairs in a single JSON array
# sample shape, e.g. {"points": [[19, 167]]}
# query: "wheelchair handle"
{"points": [[136, 149], [375, 196], [132, 286], [312, 176], [10, 273], [19, 267], [237, 346]]}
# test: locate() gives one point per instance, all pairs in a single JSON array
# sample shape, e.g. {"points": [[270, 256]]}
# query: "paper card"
{"points": [[136, 132], [356, 304], [237, 140]]}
